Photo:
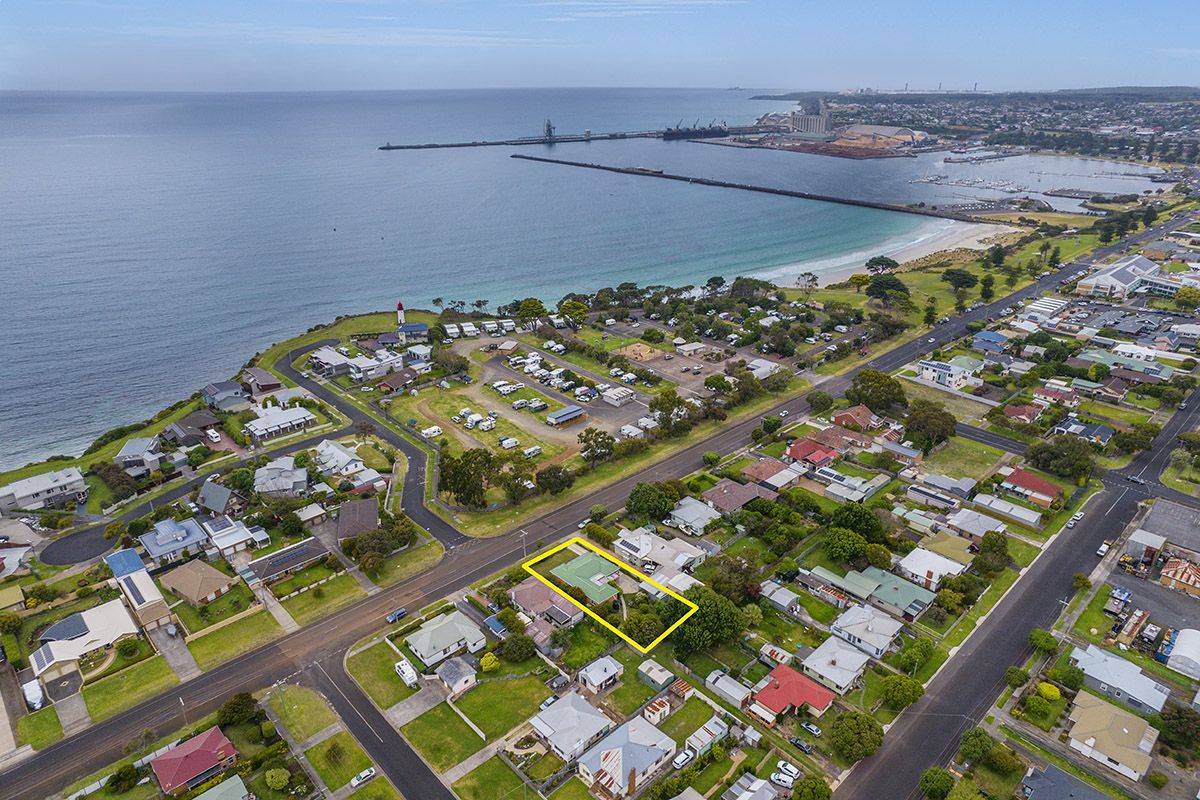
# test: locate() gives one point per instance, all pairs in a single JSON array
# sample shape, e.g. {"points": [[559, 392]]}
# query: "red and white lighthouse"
{"points": [[399, 313]]}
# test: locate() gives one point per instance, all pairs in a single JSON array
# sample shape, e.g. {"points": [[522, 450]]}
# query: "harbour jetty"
{"points": [[550, 137], [923, 211]]}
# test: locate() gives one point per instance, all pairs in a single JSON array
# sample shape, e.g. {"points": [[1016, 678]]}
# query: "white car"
{"points": [[782, 779], [783, 413], [787, 769], [930, 340], [683, 759], [362, 777], [1102, 550], [583, 524], [1078, 516]]}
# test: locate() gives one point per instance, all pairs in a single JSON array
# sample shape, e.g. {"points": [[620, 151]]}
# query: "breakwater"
{"points": [[923, 211]]}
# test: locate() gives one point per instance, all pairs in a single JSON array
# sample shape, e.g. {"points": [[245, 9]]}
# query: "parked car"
{"points": [[1102, 550], [811, 728], [683, 759], [782, 779], [787, 769], [362, 777], [397, 615], [801, 745]]}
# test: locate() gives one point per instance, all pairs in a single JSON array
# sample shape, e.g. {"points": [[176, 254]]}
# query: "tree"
{"points": [[10, 623], [597, 512], [878, 556], [511, 620], [975, 745], [959, 278], [900, 691], [882, 287], [936, 783], [127, 648], [1180, 458], [854, 735], [858, 281], [987, 288], [650, 500], [1080, 582], [930, 312], [914, 654], [1049, 691], [807, 282], [277, 779], [878, 264], [844, 545], [819, 401], [465, 477], [574, 311], [1180, 726], [1065, 456], [554, 479], [876, 390], [712, 458], [239, 708], [489, 662], [929, 424], [716, 620], [811, 787], [516, 648], [860, 519], [965, 790], [596, 444], [1043, 641], [530, 309], [124, 778], [1187, 297], [753, 615], [1068, 675], [1036, 706], [114, 530], [1016, 677]]}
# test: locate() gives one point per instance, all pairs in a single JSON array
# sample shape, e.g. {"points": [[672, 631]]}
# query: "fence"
{"points": [[92, 788]]}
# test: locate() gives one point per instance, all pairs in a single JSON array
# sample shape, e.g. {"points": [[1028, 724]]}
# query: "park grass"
{"points": [[1094, 618], [234, 639], [408, 563], [374, 670], [963, 458], [964, 410], [236, 600], [491, 780], [574, 789], [336, 769], [1022, 552], [127, 688], [687, 720], [448, 405], [302, 711], [442, 737], [497, 707], [40, 729], [335, 594]]}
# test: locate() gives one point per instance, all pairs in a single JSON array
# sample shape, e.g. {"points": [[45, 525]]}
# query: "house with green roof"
{"points": [[591, 573], [897, 596], [852, 583]]}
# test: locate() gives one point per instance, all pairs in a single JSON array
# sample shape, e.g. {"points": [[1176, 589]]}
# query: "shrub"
{"points": [[268, 729], [239, 708], [1016, 677], [277, 779], [122, 780], [489, 662], [1037, 705], [1049, 691], [127, 648], [517, 647], [1157, 779], [1004, 760], [1068, 675], [936, 783]]}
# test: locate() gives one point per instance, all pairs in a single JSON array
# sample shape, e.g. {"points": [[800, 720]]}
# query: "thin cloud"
{"points": [[375, 36], [571, 10], [1180, 52]]}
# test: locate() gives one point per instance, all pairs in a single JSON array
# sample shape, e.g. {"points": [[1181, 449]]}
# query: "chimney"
{"points": [[631, 789]]}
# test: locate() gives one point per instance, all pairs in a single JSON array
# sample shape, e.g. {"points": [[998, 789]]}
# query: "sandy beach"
{"points": [[935, 237]]}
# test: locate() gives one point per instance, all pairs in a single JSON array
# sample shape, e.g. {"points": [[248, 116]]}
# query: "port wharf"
{"points": [[747, 187], [552, 138]]}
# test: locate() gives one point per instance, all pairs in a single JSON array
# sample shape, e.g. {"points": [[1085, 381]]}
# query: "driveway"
{"points": [[175, 651]]}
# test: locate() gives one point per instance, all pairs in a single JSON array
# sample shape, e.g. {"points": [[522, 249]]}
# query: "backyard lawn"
{"points": [[39, 729], [817, 608], [491, 780], [234, 639], [499, 706], [407, 563], [302, 711], [1114, 412], [337, 759], [325, 599], [684, 722], [962, 458], [128, 688], [587, 644], [442, 737], [305, 577], [236, 600], [374, 670], [963, 409], [573, 789]]}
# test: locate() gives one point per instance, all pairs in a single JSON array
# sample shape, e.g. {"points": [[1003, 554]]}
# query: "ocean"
{"points": [[153, 242]]}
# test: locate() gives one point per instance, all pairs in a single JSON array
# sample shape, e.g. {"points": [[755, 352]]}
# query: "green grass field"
{"points": [[320, 601], [1119, 413], [442, 737], [491, 780], [963, 458], [234, 639], [236, 600], [128, 688], [963, 409], [497, 707], [40, 729], [574, 789], [684, 722], [407, 563], [337, 759], [374, 670], [378, 789], [302, 711]]}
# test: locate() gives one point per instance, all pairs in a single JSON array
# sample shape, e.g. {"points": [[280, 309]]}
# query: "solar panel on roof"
{"points": [[219, 524], [134, 591]]}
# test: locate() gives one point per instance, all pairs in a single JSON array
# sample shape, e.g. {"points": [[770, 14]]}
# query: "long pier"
{"points": [[748, 187], [530, 140]]}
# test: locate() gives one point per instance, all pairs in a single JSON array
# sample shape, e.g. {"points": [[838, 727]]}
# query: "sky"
{"points": [[266, 45]]}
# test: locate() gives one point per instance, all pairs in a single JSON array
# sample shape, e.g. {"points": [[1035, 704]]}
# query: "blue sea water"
{"points": [[151, 243]]}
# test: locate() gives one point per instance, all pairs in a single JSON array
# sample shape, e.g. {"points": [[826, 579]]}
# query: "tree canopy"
{"points": [[876, 390]]}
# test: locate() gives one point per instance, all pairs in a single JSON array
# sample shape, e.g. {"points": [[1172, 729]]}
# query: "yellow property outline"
{"points": [[692, 607]]}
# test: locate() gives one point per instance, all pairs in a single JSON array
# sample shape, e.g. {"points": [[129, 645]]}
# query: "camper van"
{"points": [[532, 452]]}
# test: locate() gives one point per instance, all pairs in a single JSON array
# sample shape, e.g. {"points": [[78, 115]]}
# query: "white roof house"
{"points": [[708, 734], [281, 478], [670, 556], [622, 762], [45, 490], [927, 568], [692, 516], [973, 524], [836, 664], [600, 673], [73, 637], [229, 536], [334, 458], [728, 687], [443, 636], [867, 628], [278, 421], [569, 725]]}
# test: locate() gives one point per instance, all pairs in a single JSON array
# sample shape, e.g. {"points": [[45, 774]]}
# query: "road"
{"points": [[959, 695]]}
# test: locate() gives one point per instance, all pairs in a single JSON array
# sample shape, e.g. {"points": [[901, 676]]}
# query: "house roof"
{"points": [[1179, 524], [600, 670], [290, 557], [569, 721], [356, 517], [838, 438], [693, 513], [929, 565], [536, 598], [898, 592], [784, 687], [455, 669], [763, 469], [261, 377], [1032, 483], [860, 415], [950, 545], [1054, 784], [590, 573], [1181, 571], [171, 536], [807, 449], [195, 580], [1027, 412], [974, 523], [837, 660], [443, 632], [1112, 732], [214, 497], [192, 758], [123, 562], [729, 496], [632, 748], [1115, 671], [869, 625], [855, 583], [229, 789]]}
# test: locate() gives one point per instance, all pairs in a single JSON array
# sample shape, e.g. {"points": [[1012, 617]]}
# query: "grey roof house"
{"points": [[190, 430], [569, 725], [173, 539], [218, 499], [621, 763], [441, 637], [281, 478], [226, 396], [1120, 680], [139, 457]]}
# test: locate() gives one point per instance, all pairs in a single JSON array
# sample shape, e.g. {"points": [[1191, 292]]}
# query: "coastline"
{"points": [[935, 237]]}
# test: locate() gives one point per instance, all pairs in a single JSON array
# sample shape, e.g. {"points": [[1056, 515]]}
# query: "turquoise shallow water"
{"points": [[152, 243]]}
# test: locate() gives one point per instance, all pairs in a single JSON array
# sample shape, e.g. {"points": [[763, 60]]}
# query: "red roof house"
{"points": [[860, 417], [763, 469], [194, 761], [1024, 413], [1047, 395], [841, 439], [785, 690], [808, 451], [1038, 491], [729, 496]]}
